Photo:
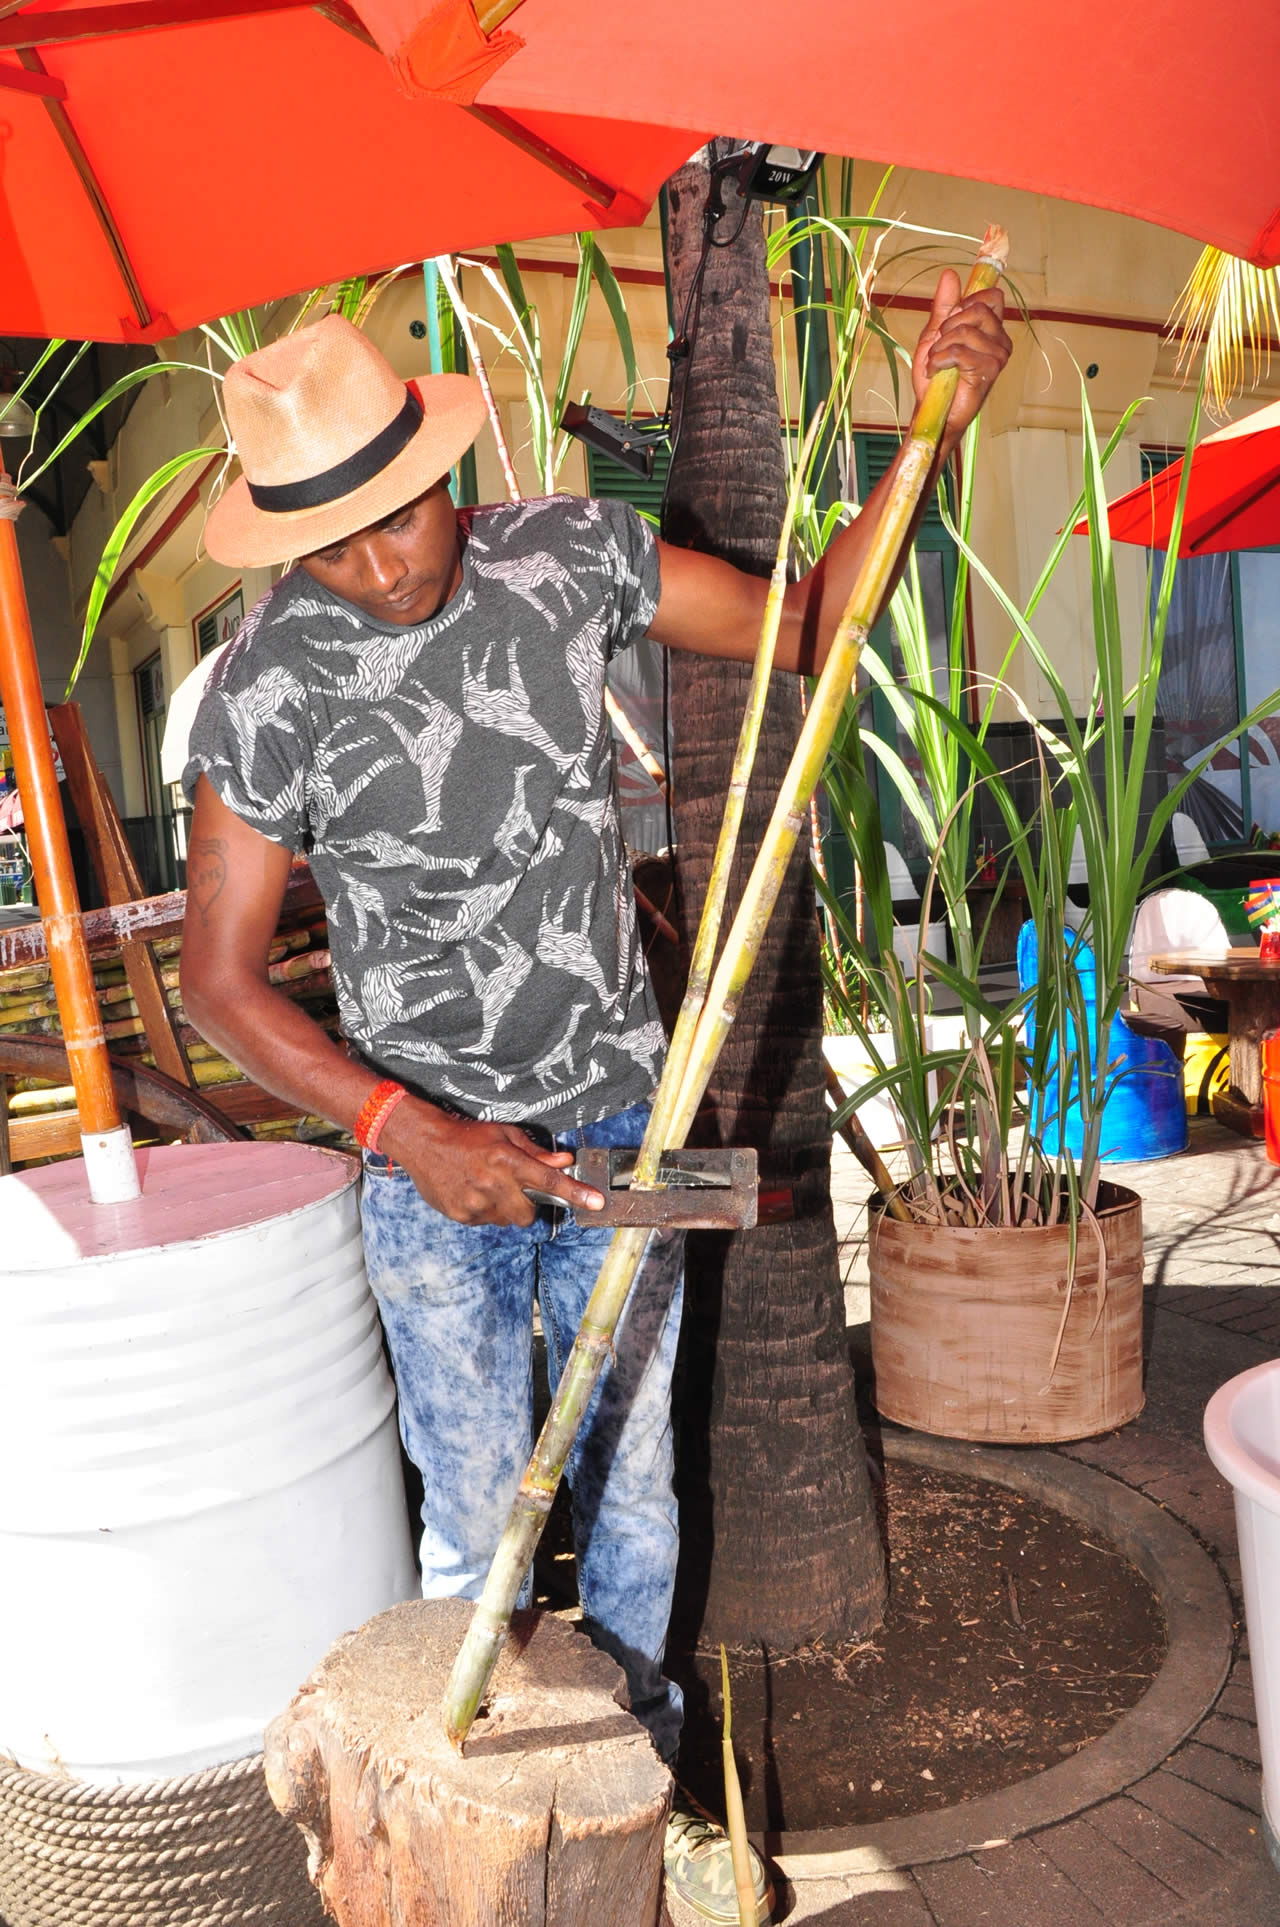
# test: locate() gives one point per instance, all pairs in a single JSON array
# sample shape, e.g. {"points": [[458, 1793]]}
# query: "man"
{"points": [[418, 707]]}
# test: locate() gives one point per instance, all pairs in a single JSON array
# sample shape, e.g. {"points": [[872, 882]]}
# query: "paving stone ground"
{"points": [[1184, 1844]]}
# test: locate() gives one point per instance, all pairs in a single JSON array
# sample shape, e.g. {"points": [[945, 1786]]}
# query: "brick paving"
{"points": [[1184, 1844]]}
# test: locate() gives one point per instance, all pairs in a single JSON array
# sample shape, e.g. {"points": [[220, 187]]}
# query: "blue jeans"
{"points": [[457, 1309]]}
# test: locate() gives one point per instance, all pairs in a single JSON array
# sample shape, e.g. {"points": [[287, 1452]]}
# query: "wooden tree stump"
{"points": [[554, 1817]]}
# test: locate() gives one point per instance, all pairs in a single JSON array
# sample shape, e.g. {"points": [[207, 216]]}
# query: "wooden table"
{"points": [[1251, 990]]}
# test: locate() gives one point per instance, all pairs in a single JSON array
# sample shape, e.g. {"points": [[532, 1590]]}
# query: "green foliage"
{"points": [[1107, 813], [1091, 772], [519, 334], [117, 541], [1232, 309], [851, 250]]}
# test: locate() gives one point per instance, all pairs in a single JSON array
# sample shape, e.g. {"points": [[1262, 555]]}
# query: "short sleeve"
{"points": [[634, 554], [250, 738]]}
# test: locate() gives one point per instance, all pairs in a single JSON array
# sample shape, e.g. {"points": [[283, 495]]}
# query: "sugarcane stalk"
{"points": [[453, 288], [634, 740], [742, 946], [295, 969], [708, 936], [700, 1032], [15, 1015], [24, 977], [62, 1097], [123, 1027], [479, 1652], [215, 1070], [734, 1813]]}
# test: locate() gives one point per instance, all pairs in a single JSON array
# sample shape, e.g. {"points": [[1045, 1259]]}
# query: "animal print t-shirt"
{"points": [[452, 787]]}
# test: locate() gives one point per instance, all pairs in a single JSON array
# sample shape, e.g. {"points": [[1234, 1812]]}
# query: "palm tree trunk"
{"points": [[777, 1520]]}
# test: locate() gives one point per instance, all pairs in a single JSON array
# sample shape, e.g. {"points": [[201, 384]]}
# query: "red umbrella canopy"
{"points": [[1233, 497], [153, 176], [163, 161], [1166, 112]]}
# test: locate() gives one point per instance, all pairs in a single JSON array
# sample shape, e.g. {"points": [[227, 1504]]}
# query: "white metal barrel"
{"points": [[1242, 1435], [200, 1482]]}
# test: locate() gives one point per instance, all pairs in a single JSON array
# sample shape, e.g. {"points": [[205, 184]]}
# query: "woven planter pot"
{"points": [[208, 1850], [964, 1324]]}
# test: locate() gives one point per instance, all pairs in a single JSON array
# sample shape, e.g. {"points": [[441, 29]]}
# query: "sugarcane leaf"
{"points": [[609, 286], [118, 540], [46, 355], [577, 317], [514, 282], [113, 393]]}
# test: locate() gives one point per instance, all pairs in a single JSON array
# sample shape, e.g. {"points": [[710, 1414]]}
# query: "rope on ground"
{"points": [[206, 1850]]}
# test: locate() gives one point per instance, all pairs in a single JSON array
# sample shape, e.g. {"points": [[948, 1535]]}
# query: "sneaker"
{"points": [[699, 1866]]}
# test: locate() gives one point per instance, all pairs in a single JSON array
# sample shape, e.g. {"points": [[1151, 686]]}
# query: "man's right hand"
{"points": [[477, 1173]]}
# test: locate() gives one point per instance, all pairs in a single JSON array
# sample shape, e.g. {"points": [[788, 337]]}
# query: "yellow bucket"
{"points": [[1206, 1070]]}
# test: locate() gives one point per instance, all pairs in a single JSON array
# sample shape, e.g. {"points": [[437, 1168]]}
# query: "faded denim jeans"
{"points": [[457, 1309]]}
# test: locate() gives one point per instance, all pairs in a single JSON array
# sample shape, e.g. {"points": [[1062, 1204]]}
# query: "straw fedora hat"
{"points": [[330, 439]]}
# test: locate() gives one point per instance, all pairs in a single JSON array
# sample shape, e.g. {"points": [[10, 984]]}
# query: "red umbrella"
{"points": [[162, 161], [1233, 497], [165, 161], [1112, 102]]}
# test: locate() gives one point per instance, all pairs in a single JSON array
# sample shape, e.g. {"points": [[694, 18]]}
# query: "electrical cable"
{"points": [[680, 347]]}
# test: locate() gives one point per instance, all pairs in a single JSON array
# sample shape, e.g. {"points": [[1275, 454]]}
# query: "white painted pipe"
{"points": [[110, 1166]]}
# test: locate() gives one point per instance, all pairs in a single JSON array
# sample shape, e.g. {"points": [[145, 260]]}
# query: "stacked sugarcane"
{"points": [[297, 961]]}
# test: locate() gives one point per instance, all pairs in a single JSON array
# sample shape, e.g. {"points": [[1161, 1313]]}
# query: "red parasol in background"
{"points": [[1233, 497]]}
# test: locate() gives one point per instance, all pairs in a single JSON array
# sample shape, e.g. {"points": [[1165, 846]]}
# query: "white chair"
{"points": [[181, 714], [1171, 920], [902, 885], [1188, 842]]}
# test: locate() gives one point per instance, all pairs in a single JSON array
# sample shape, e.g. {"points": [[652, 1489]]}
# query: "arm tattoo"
{"points": [[206, 873]]}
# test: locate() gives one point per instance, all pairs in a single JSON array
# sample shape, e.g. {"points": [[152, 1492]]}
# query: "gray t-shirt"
{"points": [[452, 786]]}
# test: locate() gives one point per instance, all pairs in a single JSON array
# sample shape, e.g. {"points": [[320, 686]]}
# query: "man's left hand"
{"points": [[967, 334]]}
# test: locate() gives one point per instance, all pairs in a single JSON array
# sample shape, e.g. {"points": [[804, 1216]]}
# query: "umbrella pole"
{"points": [[108, 1147]]}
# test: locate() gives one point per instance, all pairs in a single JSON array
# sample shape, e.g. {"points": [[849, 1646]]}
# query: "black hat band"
{"points": [[315, 491]]}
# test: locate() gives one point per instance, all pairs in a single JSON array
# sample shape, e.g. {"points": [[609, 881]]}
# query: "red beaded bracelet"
{"points": [[375, 1111]]}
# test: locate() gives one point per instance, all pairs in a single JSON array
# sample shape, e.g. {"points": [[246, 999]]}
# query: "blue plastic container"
{"points": [[1145, 1112]]}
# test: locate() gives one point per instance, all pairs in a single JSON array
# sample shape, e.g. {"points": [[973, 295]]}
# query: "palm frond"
{"points": [[1232, 310]]}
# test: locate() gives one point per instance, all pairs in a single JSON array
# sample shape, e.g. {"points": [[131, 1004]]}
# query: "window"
{"points": [[152, 838], [219, 624], [1221, 657]]}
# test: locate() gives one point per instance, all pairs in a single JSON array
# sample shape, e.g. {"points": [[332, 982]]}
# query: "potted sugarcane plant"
{"points": [[1006, 1270]]}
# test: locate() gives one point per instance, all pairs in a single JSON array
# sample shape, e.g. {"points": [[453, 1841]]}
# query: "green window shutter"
{"points": [[150, 688], [207, 633], [873, 455], [1155, 459], [618, 484]]}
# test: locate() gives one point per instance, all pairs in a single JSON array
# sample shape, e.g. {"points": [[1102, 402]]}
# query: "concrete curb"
{"points": [[1198, 1617]]}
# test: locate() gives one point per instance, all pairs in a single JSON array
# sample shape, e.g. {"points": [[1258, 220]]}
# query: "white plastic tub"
{"points": [[200, 1483], [1242, 1435]]}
